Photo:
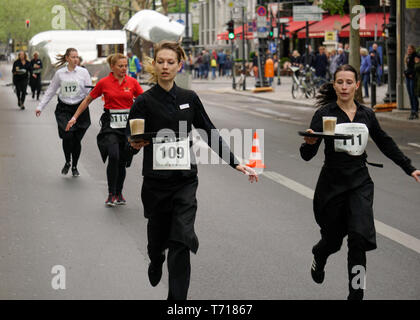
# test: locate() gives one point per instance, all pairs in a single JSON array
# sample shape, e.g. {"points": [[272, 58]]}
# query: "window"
{"points": [[105, 50]]}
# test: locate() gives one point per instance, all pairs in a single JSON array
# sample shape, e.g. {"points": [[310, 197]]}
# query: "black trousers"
{"points": [[179, 266], [36, 85], [356, 258], [115, 170], [72, 146], [21, 86]]}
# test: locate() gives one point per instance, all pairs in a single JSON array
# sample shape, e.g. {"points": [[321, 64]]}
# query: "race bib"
{"points": [[119, 118], [355, 146], [70, 89], [173, 155]]}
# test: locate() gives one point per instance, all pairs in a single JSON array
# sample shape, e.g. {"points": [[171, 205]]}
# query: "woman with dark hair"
{"points": [[21, 69], [343, 199], [118, 90], [72, 82], [410, 78], [169, 190]]}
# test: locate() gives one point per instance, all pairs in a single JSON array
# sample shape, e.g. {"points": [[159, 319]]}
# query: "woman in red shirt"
{"points": [[118, 90]]}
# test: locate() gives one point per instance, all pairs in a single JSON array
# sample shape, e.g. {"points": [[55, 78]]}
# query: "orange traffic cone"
{"points": [[255, 159]]}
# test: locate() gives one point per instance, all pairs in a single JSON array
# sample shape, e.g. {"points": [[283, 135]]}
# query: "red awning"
{"points": [[317, 30], [367, 26]]}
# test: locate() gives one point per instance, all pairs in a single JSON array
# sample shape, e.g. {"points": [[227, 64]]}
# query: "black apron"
{"points": [[64, 112], [173, 203], [343, 200], [108, 136]]}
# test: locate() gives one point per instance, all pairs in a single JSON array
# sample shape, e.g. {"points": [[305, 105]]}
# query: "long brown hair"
{"points": [[61, 58], [326, 93], [165, 44]]}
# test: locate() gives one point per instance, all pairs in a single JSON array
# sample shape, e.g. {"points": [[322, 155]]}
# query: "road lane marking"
{"points": [[387, 231], [414, 144]]}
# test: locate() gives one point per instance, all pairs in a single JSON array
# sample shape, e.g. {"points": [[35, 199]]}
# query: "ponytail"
{"points": [[326, 95], [61, 58]]}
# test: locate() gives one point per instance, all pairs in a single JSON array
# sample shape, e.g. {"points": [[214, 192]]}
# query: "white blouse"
{"points": [[71, 85]]}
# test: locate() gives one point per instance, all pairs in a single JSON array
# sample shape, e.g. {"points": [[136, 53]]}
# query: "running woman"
{"points": [[21, 69], [169, 192], [73, 82], [118, 90], [343, 200]]}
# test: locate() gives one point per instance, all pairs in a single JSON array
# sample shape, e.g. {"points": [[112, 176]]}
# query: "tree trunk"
{"points": [[354, 58]]}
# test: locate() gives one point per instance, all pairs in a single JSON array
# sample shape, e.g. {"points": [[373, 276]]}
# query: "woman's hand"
{"points": [[38, 112], [416, 175], [253, 176], [71, 123], [138, 144], [310, 140]]}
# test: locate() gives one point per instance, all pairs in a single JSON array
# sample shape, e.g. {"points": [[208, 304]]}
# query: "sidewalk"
{"points": [[282, 95]]}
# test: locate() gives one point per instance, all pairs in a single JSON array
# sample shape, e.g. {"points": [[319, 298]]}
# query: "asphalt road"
{"points": [[255, 239]]}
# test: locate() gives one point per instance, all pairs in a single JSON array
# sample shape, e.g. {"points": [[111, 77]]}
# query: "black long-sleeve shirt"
{"points": [[21, 76], [363, 115], [162, 110]]}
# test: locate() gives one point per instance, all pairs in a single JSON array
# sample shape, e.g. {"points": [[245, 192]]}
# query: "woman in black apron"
{"points": [[169, 188], [118, 91], [36, 69], [21, 69], [73, 83], [343, 197]]}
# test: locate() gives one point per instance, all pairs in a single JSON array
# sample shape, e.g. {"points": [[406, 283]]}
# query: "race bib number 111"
{"points": [[355, 146]]}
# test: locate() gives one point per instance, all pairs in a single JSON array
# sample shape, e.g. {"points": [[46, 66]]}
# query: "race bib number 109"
{"points": [[171, 155], [355, 146]]}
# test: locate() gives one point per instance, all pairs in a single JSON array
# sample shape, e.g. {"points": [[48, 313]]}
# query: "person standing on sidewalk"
{"points": [[343, 199], [269, 70], [36, 69], [134, 67], [118, 90], [410, 78], [72, 81], [417, 68], [365, 66], [169, 195], [21, 69]]}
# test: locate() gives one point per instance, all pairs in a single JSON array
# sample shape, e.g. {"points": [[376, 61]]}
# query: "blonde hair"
{"points": [[364, 51], [25, 54], [62, 57], [113, 58], [164, 44]]}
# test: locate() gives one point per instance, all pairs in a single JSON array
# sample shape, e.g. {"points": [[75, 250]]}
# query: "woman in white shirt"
{"points": [[73, 82]]}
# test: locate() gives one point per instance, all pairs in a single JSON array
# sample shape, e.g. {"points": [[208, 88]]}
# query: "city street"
{"points": [[255, 239]]}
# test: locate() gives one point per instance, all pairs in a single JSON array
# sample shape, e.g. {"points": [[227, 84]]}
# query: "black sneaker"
{"points": [[66, 168], [411, 117], [22, 107], [110, 201], [75, 172], [119, 199], [317, 271], [155, 271]]}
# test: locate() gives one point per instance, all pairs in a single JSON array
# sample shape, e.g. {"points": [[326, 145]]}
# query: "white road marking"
{"points": [[391, 233], [414, 144]]}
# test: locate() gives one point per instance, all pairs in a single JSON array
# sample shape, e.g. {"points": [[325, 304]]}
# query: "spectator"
{"points": [[134, 66], [346, 52], [333, 63], [206, 64], [228, 66], [417, 68], [311, 57], [365, 66], [410, 78], [221, 59], [321, 63], [342, 59], [377, 62], [213, 65], [197, 62], [255, 66]]}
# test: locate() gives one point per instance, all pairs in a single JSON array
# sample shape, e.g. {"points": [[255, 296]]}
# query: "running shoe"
{"points": [[110, 201], [66, 168], [120, 199], [75, 172], [317, 271]]}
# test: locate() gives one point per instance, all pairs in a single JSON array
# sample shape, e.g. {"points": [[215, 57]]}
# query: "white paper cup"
{"points": [[136, 126]]}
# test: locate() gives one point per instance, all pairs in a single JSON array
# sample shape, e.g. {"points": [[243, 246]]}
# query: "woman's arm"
{"points": [[82, 107]]}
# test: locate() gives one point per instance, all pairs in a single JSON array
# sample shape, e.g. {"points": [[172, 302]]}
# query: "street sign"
{"points": [[261, 21], [272, 47], [273, 7], [239, 3], [275, 32], [284, 20], [307, 13], [261, 11]]}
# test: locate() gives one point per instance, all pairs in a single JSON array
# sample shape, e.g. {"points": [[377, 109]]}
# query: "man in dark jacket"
{"points": [[321, 63]]}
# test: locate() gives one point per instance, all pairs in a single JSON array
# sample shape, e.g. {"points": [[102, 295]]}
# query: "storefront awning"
{"points": [[367, 26], [328, 23]]}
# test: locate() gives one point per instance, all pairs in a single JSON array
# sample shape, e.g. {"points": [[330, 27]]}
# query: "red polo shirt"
{"points": [[117, 96]]}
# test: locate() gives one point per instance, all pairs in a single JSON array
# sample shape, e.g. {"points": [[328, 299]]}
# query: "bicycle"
{"points": [[301, 86]]}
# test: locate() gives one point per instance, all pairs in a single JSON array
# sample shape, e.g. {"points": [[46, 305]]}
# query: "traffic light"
{"points": [[285, 30], [27, 23], [270, 33], [230, 29]]}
